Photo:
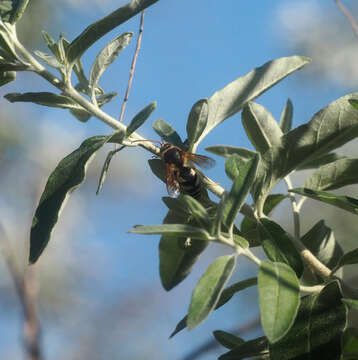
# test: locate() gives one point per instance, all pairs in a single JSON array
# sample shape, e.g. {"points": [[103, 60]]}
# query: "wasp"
{"points": [[181, 174]]}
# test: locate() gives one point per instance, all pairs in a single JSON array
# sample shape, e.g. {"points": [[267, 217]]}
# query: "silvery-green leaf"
{"points": [[197, 121], [140, 118], [227, 150], [166, 132], [286, 117]]}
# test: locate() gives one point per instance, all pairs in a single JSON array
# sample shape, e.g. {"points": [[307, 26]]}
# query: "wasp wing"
{"points": [[171, 180], [204, 162]]}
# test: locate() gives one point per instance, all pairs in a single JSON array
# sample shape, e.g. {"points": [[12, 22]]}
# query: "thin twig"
{"points": [[134, 61], [26, 292], [349, 16], [296, 214]]}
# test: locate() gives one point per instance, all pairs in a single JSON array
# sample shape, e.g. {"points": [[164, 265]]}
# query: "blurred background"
{"points": [[99, 294]]}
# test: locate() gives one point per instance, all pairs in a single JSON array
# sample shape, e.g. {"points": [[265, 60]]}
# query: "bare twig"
{"points": [[212, 344], [134, 61], [26, 291], [349, 16]]}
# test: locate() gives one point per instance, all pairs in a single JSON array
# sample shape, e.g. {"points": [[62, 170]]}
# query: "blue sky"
{"points": [[190, 49]]}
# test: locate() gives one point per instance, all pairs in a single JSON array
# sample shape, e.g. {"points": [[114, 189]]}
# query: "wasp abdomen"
{"points": [[189, 181]]}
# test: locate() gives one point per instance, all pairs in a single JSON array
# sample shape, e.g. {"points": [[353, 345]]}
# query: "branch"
{"points": [[26, 291], [348, 15], [131, 71]]}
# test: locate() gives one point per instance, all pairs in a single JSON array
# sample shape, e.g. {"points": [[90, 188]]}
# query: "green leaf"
{"points": [[12, 10], [317, 330], [334, 175], [106, 57], [227, 150], [279, 299], [44, 98], [198, 211], [231, 99], [349, 258], [140, 118], [249, 227], [101, 27], [49, 59], [177, 257], [350, 344], [6, 77], [209, 288], [344, 202], [226, 339], [321, 160], [158, 168], [252, 348], [7, 43], [68, 175], [244, 173], [197, 121], [330, 128], [166, 132], [286, 117], [278, 245], [321, 242], [260, 126], [171, 230], [105, 168], [352, 303], [225, 296], [51, 44]]}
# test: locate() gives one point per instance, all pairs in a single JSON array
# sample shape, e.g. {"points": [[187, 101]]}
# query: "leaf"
{"points": [[171, 230], [278, 245], [209, 288], [166, 132], [350, 344], [321, 242], [158, 168], [321, 160], [317, 330], [19, 11], [349, 258], [227, 150], [279, 298], [7, 42], [12, 10], [140, 118], [225, 296], [6, 77], [286, 117], [198, 211], [101, 27], [197, 121], [229, 100], [106, 57], [344, 202], [105, 167], [176, 259], [49, 59], [330, 128], [226, 339], [67, 176], [249, 349], [334, 175], [44, 98], [51, 44], [260, 126], [240, 189]]}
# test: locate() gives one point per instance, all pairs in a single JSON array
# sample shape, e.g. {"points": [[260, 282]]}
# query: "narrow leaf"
{"points": [[171, 230], [140, 118], [229, 100], [44, 98], [49, 59], [51, 44], [278, 245], [260, 126], [209, 288], [317, 330], [344, 202], [321, 160], [286, 117], [101, 27], [68, 175], [227, 150], [349, 258], [166, 132], [279, 299], [19, 11], [226, 339], [197, 121], [240, 188], [106, 57], [334, 175], [253, 348], [198, 211], [225, 296]]}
